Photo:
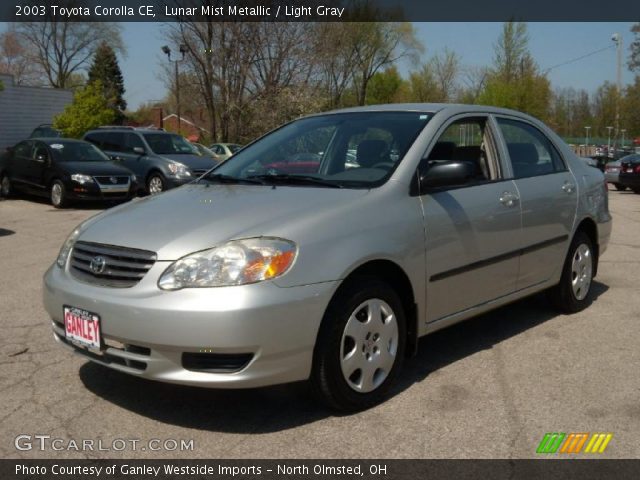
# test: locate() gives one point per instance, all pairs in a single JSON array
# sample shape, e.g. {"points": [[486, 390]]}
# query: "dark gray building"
{"points": [[24, 108]]}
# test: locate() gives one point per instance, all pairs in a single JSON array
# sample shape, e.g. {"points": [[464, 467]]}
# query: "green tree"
{"points": [[634, 57], [105, 68], [89, 109], [515, 80], [630, 111], [385, 87]]}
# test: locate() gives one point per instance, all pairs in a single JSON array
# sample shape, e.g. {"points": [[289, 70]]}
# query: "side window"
{"points": [[96, 138], [113, 142], [40, 150], [23, 151], [131, 141], [530, 151], [467, 140]]}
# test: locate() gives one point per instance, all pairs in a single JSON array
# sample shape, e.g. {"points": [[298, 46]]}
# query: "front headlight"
{"points": [[81, 178], [179, 169], [66, 248], [235, 263]]}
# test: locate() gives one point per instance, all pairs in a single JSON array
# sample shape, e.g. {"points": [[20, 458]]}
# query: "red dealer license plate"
{"points": [[82, 327]]}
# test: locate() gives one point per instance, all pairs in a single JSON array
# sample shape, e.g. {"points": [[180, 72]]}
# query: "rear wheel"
{"points": [[619, 187], [58, 194], [636, 190], [5, 186], [572, 293], [360, 345]]}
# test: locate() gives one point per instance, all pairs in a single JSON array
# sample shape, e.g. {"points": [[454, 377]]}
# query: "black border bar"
{"points": [[547, 469], [309, 11]]}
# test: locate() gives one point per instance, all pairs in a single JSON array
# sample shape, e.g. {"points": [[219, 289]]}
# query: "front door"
{"points": [[472, 231]]}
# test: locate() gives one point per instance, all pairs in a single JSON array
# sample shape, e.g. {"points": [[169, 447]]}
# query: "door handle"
{"points": [[568, 187], [509, 199]]}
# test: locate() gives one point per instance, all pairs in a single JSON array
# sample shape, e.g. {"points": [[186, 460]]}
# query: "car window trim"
{"points": [[495, 147], [536, 127]]}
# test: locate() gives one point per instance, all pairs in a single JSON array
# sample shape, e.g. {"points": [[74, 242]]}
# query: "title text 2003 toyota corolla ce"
{"points": [[411, 218]]}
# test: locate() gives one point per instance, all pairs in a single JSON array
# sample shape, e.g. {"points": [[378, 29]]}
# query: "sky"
{"points": [[549, 43]]}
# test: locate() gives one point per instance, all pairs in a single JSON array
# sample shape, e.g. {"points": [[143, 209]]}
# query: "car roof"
{"points": [[449, 108], [52, 140]]}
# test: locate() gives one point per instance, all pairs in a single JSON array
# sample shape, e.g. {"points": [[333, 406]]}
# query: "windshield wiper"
{"points": [[222, 178], [284, 178]]}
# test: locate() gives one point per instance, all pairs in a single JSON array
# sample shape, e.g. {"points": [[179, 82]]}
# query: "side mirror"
{"points": [[448, 174], [139, 150]]}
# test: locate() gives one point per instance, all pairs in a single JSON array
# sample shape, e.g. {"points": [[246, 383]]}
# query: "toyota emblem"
{"points": [[97, 265]]}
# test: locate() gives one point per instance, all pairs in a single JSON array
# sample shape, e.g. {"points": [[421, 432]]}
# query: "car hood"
{"points": [[94, 168], [199, 216], [194, 162]]}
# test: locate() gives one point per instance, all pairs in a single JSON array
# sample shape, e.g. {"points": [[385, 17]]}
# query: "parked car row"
{"points": [[110, 163]]}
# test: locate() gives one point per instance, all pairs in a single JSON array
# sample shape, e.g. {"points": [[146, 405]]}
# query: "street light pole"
{"points": [[609, 140], [586, 139], [617, 39], [623, 132], [167, 51]]}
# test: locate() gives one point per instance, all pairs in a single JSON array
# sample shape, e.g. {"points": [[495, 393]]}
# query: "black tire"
{"points": [[156, 183], [330, 384], [563, 295], [619, 187], [6, 189], [636, 190], [58, 194]]}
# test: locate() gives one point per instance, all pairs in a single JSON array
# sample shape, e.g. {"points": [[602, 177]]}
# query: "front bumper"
{"points": [[147, 331]]}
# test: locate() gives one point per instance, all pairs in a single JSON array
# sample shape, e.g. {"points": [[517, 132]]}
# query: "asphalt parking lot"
{"points": [[487, 388]]}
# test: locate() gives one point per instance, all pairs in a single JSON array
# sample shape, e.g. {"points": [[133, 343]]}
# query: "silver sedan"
{"points": [[267, 271]]}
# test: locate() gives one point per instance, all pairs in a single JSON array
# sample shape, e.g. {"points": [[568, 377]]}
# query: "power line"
{"points": [[578, 58]]}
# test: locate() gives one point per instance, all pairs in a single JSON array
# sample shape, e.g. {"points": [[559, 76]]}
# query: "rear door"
{"points": [[548, 194], [20, 162], [472, 231]]}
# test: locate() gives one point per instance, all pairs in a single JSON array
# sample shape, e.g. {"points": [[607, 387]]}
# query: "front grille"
{"points": [[108, 180], [215, 362], [109, 265]]}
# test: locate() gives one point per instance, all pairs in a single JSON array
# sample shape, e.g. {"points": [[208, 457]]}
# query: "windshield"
{"points": [[353, 150], [234, 148], [168, 144], [77, 152]]}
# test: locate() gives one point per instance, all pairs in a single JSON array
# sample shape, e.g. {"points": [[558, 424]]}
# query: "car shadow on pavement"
{"points": [[272, 409]]}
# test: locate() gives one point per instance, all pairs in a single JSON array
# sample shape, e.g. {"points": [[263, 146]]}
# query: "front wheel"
{"points": [[156, 184], [5, 187], [636, 189], [360, 345], [619, 187], [58, 194], [572, 293]]}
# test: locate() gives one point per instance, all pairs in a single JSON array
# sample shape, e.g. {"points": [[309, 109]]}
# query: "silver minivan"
{"points": [[326, 248]]}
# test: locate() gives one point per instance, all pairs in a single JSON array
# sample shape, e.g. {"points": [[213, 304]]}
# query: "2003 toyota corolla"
{"points": [[253, 275]]}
